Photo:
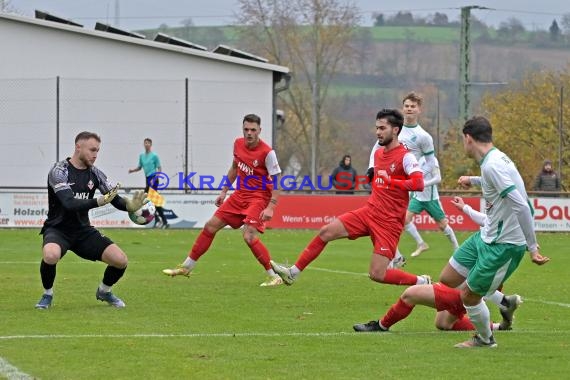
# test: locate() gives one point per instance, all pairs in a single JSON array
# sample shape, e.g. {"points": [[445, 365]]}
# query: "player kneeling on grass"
{"points": [[446, 300], [71, 190]]}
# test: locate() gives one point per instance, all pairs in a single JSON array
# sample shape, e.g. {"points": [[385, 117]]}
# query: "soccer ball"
{"points": [[143, 215]]}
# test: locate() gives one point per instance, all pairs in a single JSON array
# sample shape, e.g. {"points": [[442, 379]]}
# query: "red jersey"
{"points": [[254, 169], [392, 201]]}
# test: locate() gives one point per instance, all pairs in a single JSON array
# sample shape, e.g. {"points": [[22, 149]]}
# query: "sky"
{"points": [[146, 14]]}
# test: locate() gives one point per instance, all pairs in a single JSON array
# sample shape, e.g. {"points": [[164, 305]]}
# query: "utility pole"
{"points": [[117, 13], [464, 57], [316, 102]]}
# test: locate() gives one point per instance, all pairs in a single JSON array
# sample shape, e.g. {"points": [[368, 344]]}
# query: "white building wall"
{"points": [[125, 91]]}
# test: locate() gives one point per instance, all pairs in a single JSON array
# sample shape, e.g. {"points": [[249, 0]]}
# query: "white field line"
{"points": [[10, 372], [256, 334]]}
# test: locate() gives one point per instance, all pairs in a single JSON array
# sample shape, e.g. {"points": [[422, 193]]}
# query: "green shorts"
{"points": [[433, 208], [486, 266]]}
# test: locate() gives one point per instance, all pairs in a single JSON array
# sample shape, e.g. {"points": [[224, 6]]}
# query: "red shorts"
{"points": [[385, 235], [237, 211], [449, 299]]}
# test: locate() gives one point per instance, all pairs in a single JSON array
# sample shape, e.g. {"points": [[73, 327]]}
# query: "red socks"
{"points": [[261, 253], [311, 252], [397, 312], [201, 245], [399, 277]]}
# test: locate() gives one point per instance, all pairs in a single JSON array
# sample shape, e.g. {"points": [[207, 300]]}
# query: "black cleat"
{"points": [[369, 327]]}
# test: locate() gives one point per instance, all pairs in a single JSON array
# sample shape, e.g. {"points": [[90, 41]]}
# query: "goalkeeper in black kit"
{"points": [[71, 194]]}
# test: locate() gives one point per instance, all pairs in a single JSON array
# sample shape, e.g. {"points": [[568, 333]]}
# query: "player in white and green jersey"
{"points": [[428, 201], [488, 258]]}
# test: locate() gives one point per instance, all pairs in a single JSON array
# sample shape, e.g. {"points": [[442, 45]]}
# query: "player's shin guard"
{"points": [[261, 253], [47, 272], [201, 245], [112, 275]]}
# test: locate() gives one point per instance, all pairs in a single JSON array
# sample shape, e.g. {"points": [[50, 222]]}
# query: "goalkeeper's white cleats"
{"points": [[178, 271]]}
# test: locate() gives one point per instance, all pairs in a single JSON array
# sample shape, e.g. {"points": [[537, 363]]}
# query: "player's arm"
{"points": [[138, 199], [521, 209], [232, 175], [267, 213], [428, 152], [430, 164], [58, 181], [70, 203], [415, 177], [466, 181], [474, 215], [139, 167], [370, 171], [273, 170], [157, 164], [110, 191], [435, 179]]}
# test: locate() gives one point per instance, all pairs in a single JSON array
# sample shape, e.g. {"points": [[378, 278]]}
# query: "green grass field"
{"points": [[220, 324]]}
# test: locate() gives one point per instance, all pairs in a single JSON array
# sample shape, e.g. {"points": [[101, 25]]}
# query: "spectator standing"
{"points": [[547, 180], [344, 176]]}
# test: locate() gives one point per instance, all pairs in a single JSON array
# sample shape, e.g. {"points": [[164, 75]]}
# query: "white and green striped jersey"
{"points": [[499, 176]]}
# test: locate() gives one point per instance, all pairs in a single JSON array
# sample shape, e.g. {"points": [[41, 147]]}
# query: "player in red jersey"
{"points": [[396, 172], [254, 169]]}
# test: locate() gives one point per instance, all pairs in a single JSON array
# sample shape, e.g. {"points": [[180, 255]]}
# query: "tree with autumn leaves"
{"points": [[313, 38], [530, 124]]}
